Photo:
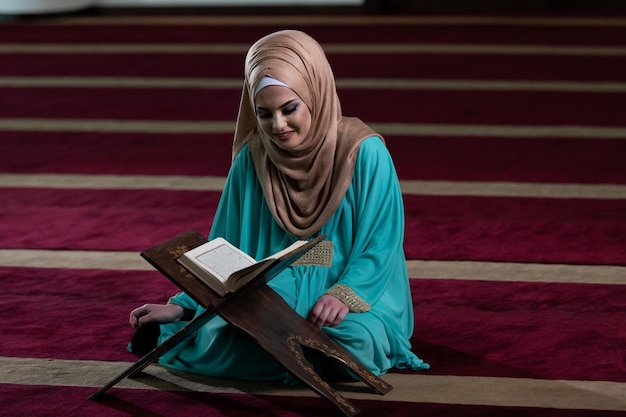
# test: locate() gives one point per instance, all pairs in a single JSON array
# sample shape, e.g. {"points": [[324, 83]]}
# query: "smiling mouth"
{"points": [[284, 135]]}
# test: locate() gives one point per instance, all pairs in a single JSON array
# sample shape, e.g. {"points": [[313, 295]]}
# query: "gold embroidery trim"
{"points": [[319, 255], [344, 293]]}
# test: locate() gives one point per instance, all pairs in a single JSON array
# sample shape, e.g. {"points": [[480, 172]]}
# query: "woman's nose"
{"points": [[278, 122]]}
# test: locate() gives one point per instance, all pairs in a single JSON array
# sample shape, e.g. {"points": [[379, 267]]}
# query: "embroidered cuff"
{"points": [[344, 293]]}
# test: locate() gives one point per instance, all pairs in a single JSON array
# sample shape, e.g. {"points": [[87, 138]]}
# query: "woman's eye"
{"points": [[263, 115], [290, 110]]}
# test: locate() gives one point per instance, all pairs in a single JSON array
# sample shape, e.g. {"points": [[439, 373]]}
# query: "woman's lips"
{"points": [[284, 135]]}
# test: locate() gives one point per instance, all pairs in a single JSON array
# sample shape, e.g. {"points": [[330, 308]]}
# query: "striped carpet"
{"points": [[509, 137]]}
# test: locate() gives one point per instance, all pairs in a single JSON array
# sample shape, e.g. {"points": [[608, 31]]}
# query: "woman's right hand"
{"points": [[158, 313]]}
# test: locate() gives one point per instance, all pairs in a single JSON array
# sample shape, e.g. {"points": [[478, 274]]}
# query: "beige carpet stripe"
{"points": [[504, 131], [418, 269], [352, 48], [416, 187], [117, 126], [480, 85], [124, 82], [78, 259], [354, 83], [395, 129], [332, 20], [517, 272], [513, 189], [129, 182], [413, 388]]}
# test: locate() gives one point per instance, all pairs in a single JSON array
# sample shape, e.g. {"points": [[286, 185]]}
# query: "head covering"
{"points": [[266, 82], [303, 187]]}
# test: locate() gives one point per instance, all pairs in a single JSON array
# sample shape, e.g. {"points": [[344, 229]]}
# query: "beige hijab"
{"points": [[303, 188]]}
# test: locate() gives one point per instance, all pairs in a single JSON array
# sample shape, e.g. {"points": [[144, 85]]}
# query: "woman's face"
{"points": [[283, 116]]}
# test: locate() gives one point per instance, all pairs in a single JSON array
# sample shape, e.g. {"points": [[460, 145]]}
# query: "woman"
{"points": [[301, 169]]}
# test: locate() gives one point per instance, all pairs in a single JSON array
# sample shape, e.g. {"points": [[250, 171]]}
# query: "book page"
{"points": [[222, 260], [288, 249]]}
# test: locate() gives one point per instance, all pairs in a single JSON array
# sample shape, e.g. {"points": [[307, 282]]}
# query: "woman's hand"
{"points": [[159, 313], [328, 311]]}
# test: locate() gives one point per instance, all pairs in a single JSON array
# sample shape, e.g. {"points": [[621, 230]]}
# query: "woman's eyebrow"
{"points": [[287, 103]]}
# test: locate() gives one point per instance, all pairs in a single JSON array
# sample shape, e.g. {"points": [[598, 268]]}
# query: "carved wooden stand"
{"points": [[261, 313]]}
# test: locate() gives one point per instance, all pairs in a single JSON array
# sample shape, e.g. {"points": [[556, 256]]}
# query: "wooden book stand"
{"points": [[261, 313]]}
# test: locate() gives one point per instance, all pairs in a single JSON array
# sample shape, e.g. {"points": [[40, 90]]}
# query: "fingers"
{"points": [[137, 314], [328, 318], [328, 311], [334, 317], [319, 318], [158, 313], [339, 318]]}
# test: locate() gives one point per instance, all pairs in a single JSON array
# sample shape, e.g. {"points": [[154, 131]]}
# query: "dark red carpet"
{"points": [[579, 231], [425, 66], [465, 328], [496, 108], [452, 33], [551, 160]]}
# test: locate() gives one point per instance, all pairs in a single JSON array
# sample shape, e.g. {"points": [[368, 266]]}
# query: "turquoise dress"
{"points": [[367, 234]]}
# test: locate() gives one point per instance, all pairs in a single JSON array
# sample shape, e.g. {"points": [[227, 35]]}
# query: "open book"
{"points": [[226, 268]]}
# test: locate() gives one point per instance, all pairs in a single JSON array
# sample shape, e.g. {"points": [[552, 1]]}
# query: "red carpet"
{"points": [[585, 231], [553, 160], [523, 333], [495, 32], [499, 108], [426, 66], [484, 319]]}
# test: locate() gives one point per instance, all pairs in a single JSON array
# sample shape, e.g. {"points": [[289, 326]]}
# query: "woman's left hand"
{"points": [[328, 311]]}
